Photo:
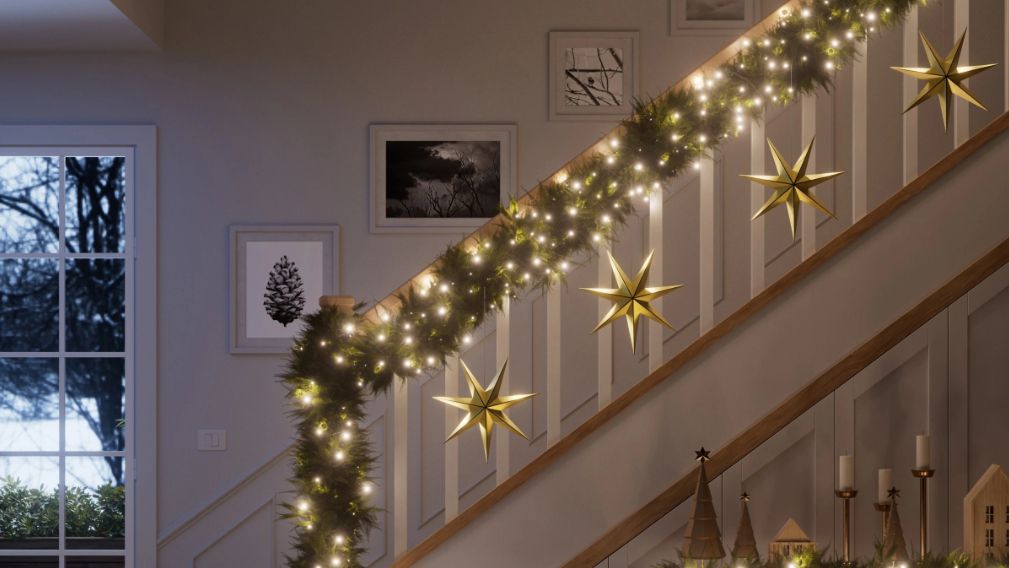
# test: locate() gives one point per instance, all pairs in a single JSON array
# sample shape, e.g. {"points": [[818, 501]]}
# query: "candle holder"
{"points": [[884, 509], [923, 475], [847, 495]]}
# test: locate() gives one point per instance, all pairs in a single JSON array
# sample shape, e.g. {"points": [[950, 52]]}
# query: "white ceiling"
{"points": [[68, 25]]}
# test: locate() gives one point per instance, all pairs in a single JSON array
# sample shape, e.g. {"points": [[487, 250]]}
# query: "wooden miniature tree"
{"points": [[894, 547], [703, 539], [745, 547]]}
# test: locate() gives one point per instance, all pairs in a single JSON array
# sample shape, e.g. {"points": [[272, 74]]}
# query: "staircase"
{"points": [[761, 314]]}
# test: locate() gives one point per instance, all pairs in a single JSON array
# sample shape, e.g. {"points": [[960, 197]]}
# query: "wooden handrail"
{"points": [[794, 407], [703, 343], [391, 302]]}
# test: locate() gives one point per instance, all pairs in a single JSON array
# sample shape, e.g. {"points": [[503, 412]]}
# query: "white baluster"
{"points": [[656, 202], [452, 446], [961, 118], [605, 335], [808, 214], [553, 365], [502, 342], [910, 118], [706, 280], [859, 134], [401, 433], [757, 197]]}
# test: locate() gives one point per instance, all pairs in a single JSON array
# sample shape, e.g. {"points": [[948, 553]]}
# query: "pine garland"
{"points": [[340, 360]]}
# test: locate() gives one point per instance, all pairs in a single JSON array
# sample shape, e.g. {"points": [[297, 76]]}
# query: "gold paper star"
{"points": [[484, 407], [631, 298], [943, 78], [792, 185]]}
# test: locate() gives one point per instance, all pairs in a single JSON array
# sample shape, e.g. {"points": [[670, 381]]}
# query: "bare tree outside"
{"points": [[94, 303]]}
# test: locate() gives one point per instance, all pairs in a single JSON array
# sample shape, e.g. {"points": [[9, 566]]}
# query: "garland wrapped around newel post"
{"points": [[342, 358]]}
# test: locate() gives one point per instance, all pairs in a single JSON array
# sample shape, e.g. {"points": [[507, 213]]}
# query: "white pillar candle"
{"points": [[885, 483], [846, 475], [923, 452]]}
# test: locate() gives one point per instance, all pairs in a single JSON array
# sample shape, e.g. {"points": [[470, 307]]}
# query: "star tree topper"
{"points": [[792, 185], [484, 407], [631, 298], [943, 78]]}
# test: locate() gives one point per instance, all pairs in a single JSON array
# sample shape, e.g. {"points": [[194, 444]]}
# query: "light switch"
{"points": [[211, 440]]}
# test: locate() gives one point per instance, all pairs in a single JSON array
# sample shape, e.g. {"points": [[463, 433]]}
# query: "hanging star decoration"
{"points": [[631, 298], [484, 407], [792, 185], [944, 78]]}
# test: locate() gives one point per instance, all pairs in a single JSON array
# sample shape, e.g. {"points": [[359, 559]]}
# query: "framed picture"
{"points": [[277, 275], [593, 75], [712, 16], [440, 178]]}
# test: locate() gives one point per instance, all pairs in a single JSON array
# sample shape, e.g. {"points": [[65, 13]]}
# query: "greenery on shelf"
{"points": [[340, 360], [27, 512]]}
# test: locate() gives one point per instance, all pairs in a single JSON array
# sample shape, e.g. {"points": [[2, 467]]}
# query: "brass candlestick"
{"points": [[884, 509], [847, 495], [923, 475]]}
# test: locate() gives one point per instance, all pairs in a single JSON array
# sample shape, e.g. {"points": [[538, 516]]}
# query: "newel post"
{"points": [[344, 304]]}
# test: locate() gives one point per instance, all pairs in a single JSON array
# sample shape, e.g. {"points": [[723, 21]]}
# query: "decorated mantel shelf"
{"points": [[345, 355]]}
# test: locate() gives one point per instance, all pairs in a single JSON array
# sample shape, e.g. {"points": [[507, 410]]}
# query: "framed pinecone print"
{"points": [[278, 274]]}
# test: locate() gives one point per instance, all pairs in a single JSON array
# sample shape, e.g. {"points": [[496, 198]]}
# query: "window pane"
{"points": [[29, 561], [96, 503], [29, 305], [29, 502], [29, 405], [29, 204], [96, 404], [96, 210], [96, 300], [95, 562]]}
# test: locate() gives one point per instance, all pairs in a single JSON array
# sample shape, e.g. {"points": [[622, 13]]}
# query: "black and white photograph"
{"points": [[712, 15], [278, 275], [592, 75], [442, 179], [432, 178]]}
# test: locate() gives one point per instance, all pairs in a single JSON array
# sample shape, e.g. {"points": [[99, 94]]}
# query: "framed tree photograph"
{"points": [[440, 178], [593, 75], [278, 274], [712, 16]]}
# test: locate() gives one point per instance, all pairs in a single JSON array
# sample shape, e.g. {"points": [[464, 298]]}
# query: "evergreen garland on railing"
{"points": [[340, 360]]}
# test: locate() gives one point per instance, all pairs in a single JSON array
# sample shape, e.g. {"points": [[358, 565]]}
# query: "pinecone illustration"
{"points": [[284, 299]]}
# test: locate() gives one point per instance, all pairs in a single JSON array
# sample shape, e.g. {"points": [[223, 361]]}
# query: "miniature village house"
{"points": [[789, 541], [986, 515]]}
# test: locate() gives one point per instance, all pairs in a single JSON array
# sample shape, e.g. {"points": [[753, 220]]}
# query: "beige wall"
{"points": [[262, 109]]}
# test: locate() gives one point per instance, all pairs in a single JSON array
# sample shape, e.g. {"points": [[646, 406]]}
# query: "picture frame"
{"points": [[711, 17], [593, 74], [271, 267], [440, 178]]}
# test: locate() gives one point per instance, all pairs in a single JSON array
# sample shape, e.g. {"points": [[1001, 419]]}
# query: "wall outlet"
{"points": [[211, 440]]}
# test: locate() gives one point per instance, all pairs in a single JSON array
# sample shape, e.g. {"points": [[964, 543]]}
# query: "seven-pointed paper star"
{"points": [[943, 78], [484, 407], [631, 298], [792, 185]]}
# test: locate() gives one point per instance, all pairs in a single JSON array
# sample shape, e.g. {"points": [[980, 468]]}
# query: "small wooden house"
{"points": [[986, 515], [789, 541]]}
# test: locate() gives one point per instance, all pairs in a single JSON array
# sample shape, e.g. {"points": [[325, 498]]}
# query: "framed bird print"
{"points": [[593, 75], [278, 274]]}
